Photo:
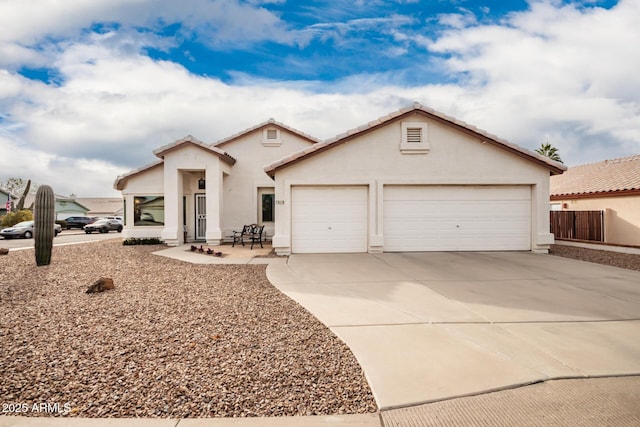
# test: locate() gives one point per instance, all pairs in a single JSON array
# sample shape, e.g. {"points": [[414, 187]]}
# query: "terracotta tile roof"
{"points": [[31, 199], [160, 152], [120, 181], [101, 204], [270, 122], [554, 167], [602, 177]]}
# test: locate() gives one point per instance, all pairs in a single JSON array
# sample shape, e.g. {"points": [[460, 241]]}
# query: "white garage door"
{"points": [[328, 219], [457, 218]]}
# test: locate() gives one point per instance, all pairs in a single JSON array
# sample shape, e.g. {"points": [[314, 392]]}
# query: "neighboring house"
{"points": [[415, 180], [65, 206], [4, 197], [102, 206], [612, 186]]}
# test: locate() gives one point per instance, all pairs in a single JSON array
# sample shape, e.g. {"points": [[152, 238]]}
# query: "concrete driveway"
{"points": [[431, 326]]}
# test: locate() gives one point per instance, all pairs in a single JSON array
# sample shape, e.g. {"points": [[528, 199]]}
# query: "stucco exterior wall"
{"points": [[149, 183], [621, 217], [375, 160], [241, 203]]}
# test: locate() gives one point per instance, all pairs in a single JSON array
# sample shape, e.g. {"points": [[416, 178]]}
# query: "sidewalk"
{"points": [[592, 402], [366, 420]]}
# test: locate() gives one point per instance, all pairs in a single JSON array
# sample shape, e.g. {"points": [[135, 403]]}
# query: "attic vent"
{"points": [[414, 135], [415, 138], [271, 137], [272, 134]]}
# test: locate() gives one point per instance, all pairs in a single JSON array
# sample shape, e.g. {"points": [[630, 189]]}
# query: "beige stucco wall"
{"points": [[621, 217], [375, 160], [231, 190], [175, 178], [149, 183], [241, 186]]}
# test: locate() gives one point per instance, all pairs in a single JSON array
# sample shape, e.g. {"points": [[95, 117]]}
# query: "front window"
{"points": [[267, 208], [148, 210]]}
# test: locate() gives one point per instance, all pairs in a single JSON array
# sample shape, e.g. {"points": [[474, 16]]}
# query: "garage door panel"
{"points": [[447, 218], [329, 219]]}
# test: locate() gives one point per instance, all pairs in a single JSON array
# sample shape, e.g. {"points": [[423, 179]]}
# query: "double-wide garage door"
{"points": [[415, 218], [457, 218]]}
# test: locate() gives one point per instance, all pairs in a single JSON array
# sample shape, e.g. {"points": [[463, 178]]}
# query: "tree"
{"points": [[14, 217], [549, 151]]}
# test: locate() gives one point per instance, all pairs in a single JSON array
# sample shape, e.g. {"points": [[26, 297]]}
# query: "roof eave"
{"points": [[554, 167], [596, 194], [258, 127], [121, 180]]}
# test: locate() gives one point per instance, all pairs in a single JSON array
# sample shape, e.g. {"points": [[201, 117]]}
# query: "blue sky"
{"points": [[88, 88]]}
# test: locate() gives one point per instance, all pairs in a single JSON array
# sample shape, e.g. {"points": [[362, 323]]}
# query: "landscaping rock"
{"points": [[101, 285], [4, 251], [177, 340]]}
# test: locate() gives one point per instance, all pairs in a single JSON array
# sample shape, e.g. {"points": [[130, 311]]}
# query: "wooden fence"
{"points": [[578, 225]]}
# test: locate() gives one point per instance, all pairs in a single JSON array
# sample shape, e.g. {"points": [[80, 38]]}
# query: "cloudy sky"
{"points": [[88, 88]]}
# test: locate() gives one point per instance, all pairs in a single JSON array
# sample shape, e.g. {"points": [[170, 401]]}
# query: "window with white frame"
{"points": [[271, 137], [415, 138]]}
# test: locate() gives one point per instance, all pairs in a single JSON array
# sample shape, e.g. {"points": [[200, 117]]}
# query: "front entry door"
{"points": [[201, 217]]}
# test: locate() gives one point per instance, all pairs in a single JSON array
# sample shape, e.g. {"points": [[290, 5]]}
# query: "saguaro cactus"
{"points": [[44, 217]]}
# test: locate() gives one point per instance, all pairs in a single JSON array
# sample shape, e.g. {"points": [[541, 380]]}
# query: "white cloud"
{"points": [[457, 20], [554, 73], [551, 67]]}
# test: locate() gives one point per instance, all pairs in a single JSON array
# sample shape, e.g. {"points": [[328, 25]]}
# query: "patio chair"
{"points": [[238, 236], [250, 233], [256, 234]]}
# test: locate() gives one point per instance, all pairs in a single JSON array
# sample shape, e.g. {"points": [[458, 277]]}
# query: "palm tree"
{"points": [[549, 151]]}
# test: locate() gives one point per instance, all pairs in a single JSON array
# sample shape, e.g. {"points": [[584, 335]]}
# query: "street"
{"points": [[66, 237]]}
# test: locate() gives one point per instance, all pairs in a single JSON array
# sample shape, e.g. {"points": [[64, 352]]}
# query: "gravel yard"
{"points": [[630, 261], [172, 340]]}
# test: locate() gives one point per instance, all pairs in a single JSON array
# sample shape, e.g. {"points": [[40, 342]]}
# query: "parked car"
{"points": [[24, 229], [103, 226], [146, 216], [78, 221]]}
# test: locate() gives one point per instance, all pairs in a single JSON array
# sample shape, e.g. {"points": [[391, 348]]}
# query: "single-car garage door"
{"points": [[457, 218], [329, 219]]}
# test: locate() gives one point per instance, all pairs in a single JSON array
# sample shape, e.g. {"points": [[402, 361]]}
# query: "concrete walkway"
{"points": [[230, 255], [432, 326]]}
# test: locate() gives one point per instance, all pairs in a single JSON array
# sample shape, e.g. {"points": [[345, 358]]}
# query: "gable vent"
{"points": [[271, 137], [272, 134], [414, 135], [415, 138]]}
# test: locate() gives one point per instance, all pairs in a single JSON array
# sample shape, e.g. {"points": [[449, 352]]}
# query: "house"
{"points": [[65, 206], [4, 198], [102, 206], [415, 180], [202, 192], [612, 186]]}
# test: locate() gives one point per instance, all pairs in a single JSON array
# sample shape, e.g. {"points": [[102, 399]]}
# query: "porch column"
{"points": [[214, 204], [172, 232]]}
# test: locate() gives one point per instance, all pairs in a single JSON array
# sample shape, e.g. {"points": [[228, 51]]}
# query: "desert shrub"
{"points": [[12, 218], [142, 241]]}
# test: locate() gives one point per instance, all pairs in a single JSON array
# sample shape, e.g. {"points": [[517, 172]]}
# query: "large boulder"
{"points": [[101, 285]]}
